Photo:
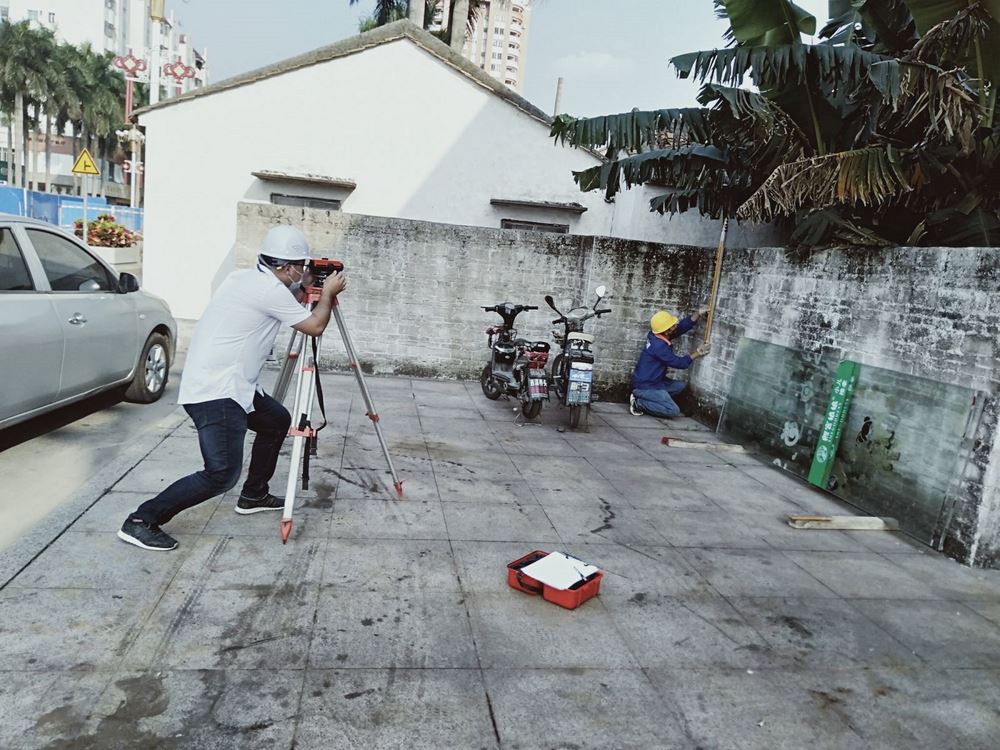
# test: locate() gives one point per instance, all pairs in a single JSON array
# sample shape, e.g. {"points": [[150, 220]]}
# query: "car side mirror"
{"points": [[128, 283]]}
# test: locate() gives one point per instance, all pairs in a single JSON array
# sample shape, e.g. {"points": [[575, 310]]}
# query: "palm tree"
{"points": [[102, 102], [387, 11], [24, 75], [882, 133], [65, 102]]}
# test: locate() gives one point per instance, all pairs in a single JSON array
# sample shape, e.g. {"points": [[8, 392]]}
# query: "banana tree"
{"points": [[872, 136]]}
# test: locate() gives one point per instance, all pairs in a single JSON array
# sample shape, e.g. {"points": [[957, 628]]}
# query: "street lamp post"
{"points": [[134, 137], [134, 70], [156, 11]]}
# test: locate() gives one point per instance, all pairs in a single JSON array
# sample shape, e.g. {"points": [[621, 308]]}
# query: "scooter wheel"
{"points": [[574, 416], [531, 409], [491, 388]]}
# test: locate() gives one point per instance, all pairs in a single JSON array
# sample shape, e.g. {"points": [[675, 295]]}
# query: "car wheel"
{"points": [[150, 379]]}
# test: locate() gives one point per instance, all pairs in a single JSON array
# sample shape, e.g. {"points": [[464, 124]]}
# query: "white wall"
{"points": [[633, 220], [421, 140]]}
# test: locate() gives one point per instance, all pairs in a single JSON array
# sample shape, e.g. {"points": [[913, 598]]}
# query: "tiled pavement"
{"points": [[387, 623]]}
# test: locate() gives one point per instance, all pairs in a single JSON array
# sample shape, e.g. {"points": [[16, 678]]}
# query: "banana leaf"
{"points": [[763, 22], [886, 25], [634, 130], [983, 62]]}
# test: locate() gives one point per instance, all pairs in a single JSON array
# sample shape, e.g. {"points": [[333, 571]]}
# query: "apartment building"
{"points": [[115, 26], [499, 43]]}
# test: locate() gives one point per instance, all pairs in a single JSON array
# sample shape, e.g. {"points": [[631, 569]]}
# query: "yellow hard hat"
{"points": [[662, 321]]}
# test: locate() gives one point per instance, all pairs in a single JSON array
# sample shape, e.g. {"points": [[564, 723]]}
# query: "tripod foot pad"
{"points": [[286, 529]]}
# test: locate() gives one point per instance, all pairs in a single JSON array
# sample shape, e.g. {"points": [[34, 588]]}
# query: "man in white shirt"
{"points": [[220, 390]]}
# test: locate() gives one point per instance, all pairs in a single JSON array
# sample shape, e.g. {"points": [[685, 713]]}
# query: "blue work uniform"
{"points": [[652, 389]]}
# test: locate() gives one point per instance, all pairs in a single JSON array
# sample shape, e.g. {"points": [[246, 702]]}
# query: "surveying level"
{"points": [[308, 388]]}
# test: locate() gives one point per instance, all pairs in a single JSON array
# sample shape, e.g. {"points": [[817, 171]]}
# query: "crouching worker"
{"points": [[220, 390], [652, 390]]}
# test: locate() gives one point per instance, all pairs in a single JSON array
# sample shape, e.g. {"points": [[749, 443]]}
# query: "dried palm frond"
{"points": [[867, 176]]}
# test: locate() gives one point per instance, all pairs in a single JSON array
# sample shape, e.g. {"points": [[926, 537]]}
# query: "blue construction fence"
{"points": [[64, 210]]}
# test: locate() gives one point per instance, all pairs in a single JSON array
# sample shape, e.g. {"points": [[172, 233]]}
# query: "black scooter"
{"points": [[573, 367], [516, 366]]}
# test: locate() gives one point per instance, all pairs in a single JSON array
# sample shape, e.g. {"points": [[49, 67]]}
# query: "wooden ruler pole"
{"points": [[715, 278]]}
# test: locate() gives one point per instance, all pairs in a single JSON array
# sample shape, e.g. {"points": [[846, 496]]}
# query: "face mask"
{"points": [[296, 285]]}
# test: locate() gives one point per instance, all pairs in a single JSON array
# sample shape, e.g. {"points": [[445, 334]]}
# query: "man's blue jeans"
{"points": [[222, 426], [658, 401]]}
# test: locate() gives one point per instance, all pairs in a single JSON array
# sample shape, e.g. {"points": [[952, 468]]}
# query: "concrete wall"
{"points": [[416, 288], [928, 313]]}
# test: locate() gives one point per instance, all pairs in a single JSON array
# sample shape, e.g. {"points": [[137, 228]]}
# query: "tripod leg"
{"points": [[295, 343], [301, 432], [371, 413]]}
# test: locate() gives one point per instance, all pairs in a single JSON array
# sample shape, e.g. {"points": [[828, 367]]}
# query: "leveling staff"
{"points": [[219, 388]]}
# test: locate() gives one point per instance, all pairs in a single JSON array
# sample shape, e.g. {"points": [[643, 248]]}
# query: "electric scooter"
{"points": [[573, 367]]}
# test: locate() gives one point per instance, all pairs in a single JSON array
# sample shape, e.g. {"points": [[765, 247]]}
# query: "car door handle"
{"points": [[77, 319]]}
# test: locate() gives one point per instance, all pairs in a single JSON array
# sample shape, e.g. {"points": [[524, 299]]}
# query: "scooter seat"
{"points": [[581, 337]]}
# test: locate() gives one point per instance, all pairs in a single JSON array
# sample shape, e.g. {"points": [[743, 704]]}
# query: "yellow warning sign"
{"points": [[85, 164]]}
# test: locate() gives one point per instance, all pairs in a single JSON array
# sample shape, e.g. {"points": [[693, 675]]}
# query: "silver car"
{"points": [[71, 327]]}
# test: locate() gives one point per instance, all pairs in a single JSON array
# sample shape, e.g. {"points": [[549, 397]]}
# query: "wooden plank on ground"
{"points": [[673, 442], [843, 523]]}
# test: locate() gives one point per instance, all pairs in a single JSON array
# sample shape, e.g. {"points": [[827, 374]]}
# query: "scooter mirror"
{"points": [[601, 291], [549, 301]]}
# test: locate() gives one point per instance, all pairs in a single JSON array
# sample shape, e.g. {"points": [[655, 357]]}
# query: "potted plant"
{"points": [[116, 243]]}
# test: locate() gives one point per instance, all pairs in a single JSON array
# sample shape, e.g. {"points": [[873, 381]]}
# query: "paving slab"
{"points": [[387, 622], [597, 708], [385, 709]]}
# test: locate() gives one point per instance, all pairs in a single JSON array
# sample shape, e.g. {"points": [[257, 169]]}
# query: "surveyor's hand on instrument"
{"points": [[335, 284], [701, 351]]}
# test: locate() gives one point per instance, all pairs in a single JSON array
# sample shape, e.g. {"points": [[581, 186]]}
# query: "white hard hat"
{"points": [[285, 242]]}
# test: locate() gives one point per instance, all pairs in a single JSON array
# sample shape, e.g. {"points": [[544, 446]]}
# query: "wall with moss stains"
{"points": [[416, 289]]}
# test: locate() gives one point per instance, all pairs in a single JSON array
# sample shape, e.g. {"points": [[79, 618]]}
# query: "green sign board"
{"points": [[844, 381]]}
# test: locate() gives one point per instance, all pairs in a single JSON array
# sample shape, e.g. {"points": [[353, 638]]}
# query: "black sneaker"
{"points": [[247, 505], [146, 535]]}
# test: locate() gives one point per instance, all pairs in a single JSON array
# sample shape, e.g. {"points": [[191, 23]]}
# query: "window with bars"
{"points": [[534, 226], [303, 201]]}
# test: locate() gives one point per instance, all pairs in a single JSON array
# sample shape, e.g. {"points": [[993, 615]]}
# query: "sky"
{"points": [[612, 54]]}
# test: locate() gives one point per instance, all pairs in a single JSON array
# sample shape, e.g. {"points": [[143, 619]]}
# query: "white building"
{"points": [[115, 26], [499, 43], [390, 123]]}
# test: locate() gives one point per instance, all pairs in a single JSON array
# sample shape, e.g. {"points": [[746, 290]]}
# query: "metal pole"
{"points": [[370, 413], [559, 88], [134, 174], [85, 191], [301, 431], [156, 15], [291, 357]]}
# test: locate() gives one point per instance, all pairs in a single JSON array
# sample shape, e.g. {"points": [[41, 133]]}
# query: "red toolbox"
{"points": [[570, 598]]}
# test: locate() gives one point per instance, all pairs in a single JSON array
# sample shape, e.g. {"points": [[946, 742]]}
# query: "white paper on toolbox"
{"points": [[559, 571]]}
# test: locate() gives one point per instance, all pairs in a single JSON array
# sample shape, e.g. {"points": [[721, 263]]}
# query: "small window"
{"points": [[14, 276], [68, 267], [534, 226], [302, 201], [109, 29], [52, 17], [4, 13], [32, 15]]}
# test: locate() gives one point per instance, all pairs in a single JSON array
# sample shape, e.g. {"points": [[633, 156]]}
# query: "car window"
{"points": [[69, 267], [14, 276]]}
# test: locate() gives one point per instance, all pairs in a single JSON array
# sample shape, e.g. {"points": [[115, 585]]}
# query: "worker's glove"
{"points": [[701, 351], [702, 312]]}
